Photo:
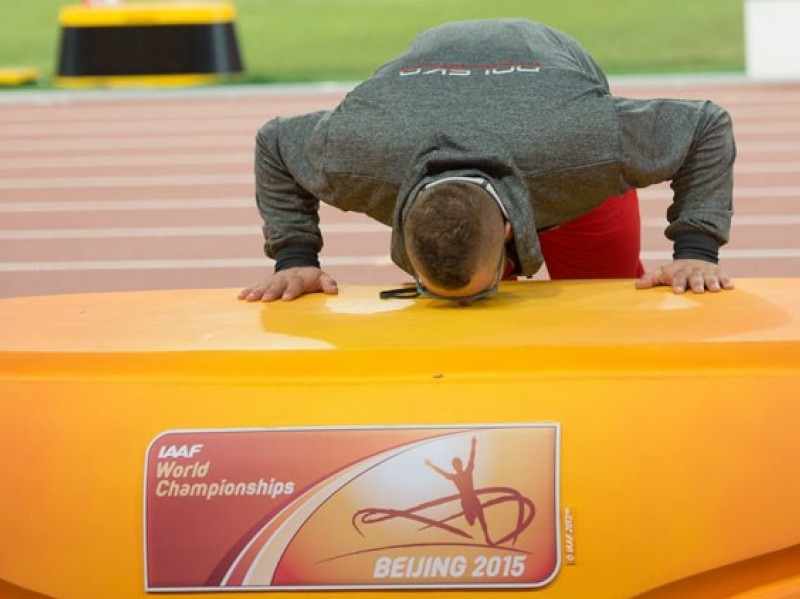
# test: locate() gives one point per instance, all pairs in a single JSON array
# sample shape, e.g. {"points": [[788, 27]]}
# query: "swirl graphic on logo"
{"points": [[472, 507]]}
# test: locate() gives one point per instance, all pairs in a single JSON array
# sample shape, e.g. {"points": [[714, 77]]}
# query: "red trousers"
{"points": [[602, 244]]}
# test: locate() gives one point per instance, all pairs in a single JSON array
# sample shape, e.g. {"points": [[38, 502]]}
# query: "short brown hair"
{"points": [[447, 230]]}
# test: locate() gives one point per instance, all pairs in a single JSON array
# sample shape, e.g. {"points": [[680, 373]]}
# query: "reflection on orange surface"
{"points": [[679, 420], [772, 576]]}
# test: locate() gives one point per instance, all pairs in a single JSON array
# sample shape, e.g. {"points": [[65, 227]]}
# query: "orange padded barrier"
{"points": [[583, 439]]}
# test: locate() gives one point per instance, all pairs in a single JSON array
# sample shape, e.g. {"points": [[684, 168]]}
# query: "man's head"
{"points": [[454, 234]]}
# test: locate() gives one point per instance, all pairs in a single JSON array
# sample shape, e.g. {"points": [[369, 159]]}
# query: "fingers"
{"points": [[725, 281], [328, 285], [293, 288], [251, 294], [698, 281], [650, 279], [267, 291], [682, 275], [290, 284]]}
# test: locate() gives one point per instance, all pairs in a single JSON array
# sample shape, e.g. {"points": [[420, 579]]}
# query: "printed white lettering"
{"points": [[179, 451], [434, 566], [381, 569], [569, 537], [466, 70], [175, 470], [169, 487], [494, 566]]}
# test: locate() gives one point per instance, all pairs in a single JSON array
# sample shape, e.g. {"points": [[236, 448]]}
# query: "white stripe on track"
{"points": [[16, 146], [739, 192], [649, 195], [732, 254], [132, 160], [125, 181], [128, 205], [202, 263], [377, 261], [768, 167], [766, 147], [243, 141], [738, 221], [136, 128], [246, 159], [148, 232], [235, 126], [329, 229]]}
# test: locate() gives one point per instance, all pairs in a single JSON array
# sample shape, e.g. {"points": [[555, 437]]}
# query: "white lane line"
{"points": [[373, 260], [152, 131], [149, 232], [126, 143], [732, 254], [739, 221], [236, 125], [659, 193], [162, 111], [139, 127], [143, 181], [128, 205], [767, 167], [203, 179], [777, 127], [243, 143], [202, 263], [246, 158], [104, 160], [327, 229], [766, 147], [253, 93], [654, 194]]}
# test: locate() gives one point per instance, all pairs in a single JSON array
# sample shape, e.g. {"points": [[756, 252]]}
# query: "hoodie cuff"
{"points": [[294, 256], [696, 246]]}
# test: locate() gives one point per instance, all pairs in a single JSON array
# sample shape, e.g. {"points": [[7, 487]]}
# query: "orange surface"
{"points": [[680, 416]]}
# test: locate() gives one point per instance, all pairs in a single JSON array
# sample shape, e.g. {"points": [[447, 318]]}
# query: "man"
{"points": [[491, 147]]}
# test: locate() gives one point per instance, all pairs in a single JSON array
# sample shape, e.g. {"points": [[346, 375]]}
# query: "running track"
{"points": [[110, 192]]}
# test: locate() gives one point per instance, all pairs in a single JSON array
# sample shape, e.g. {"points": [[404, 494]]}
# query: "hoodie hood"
{"points": [[473, 153]]}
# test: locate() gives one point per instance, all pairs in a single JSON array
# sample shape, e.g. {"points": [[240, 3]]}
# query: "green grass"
{"points": [[345, 40]]}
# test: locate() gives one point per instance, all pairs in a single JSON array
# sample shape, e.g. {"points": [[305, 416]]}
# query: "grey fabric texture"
{"points": [[510, 100]]}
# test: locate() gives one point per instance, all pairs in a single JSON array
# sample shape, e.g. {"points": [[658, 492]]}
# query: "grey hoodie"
{"points": [[513, 101]]}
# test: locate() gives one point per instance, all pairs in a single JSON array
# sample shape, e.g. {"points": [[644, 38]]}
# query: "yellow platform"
{"points": [[676, 436], [14, 76], [147, 44]]}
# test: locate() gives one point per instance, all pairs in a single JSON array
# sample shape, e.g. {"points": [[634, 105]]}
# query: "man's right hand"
{"points": [[290, 284]]}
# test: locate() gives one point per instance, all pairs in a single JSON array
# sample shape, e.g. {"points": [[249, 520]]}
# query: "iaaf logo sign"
{"points": [[179, 451], [466, 70], [390, 507], [465, 516]]}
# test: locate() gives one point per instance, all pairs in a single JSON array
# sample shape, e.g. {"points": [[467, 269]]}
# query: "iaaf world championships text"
{"points": [[171, 486]]}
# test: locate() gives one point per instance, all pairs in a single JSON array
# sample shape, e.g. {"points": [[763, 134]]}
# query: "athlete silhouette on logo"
{"points": [[463, 480], [471, 503]]}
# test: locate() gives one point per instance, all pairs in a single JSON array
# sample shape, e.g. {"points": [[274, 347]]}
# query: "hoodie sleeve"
{"points": [[287, 187], [690, 144]]}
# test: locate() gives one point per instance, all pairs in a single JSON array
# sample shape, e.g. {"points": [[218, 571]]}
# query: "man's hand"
{"points": [[290, 284], [697, 275]]}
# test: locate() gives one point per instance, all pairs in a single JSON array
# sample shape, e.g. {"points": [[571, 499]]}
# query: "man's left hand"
{"points": [[697, 275]]}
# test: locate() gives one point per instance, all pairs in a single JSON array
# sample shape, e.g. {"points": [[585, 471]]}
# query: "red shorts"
{"points": [[602, 244]]}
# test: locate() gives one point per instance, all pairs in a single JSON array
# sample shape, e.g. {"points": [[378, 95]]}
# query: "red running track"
{"points": [[110, 191]]}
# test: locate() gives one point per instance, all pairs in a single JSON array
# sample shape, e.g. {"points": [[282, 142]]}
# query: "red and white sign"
{"points": [[335, 508]]}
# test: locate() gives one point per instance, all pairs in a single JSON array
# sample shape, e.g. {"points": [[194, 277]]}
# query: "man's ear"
{"points": [[507, 231]]}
